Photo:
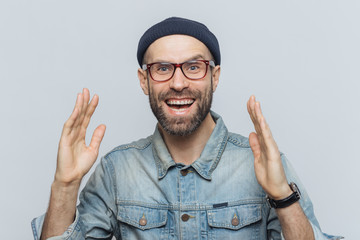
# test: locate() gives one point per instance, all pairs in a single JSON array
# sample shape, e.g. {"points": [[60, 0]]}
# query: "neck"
{"points": [[186, 149]]}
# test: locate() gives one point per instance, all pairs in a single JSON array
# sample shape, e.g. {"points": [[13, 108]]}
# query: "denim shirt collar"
{"points": [[208, 159]]}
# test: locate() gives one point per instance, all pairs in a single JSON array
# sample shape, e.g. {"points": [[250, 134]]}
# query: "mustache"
{"points": [[186, 93]]}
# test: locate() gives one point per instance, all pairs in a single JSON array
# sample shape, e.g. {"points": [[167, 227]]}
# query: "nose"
{"points": [[179, 82]]}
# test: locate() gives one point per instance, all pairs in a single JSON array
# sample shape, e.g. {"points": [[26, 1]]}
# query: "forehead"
{"points": [[176, 49]]}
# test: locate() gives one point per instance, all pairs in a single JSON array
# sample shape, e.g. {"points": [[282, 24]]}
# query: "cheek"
{"points": [[155, 90], [206, 89]]}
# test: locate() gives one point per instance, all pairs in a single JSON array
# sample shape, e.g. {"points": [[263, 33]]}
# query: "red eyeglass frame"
{"points": [[179, 65]]}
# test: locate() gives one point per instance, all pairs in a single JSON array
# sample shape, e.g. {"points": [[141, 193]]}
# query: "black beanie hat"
{"points": [[176, 25]]}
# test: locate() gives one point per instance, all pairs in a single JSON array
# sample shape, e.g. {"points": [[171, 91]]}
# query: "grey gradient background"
{"points": [[300, 58]]}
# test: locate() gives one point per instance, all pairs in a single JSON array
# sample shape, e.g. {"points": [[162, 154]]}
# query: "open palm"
{"points": [[267, 161], [75, 158]]}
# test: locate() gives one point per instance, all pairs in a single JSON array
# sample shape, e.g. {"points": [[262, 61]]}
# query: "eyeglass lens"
{"points": [[191, 69]]}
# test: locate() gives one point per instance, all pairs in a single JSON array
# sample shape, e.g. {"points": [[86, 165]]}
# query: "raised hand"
{"points": [[75, 158], [267, 161]]}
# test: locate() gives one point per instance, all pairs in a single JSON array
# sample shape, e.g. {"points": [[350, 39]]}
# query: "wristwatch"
{"points": [[294, 197]]}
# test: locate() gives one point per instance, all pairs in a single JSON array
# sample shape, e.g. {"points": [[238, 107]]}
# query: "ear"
{"points": [[215, 76], [142, 75]]}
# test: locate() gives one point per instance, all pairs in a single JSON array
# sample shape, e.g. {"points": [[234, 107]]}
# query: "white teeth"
{"points": [[179, 102], [178, 110]]}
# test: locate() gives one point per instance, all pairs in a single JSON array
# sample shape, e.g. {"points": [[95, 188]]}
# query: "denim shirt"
{"points": [[139, 192]]}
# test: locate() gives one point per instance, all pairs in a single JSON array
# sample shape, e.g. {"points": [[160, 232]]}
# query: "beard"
{"points": [[182, 125]]}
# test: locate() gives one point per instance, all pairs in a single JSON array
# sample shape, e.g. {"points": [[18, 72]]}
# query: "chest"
{"points": [[184, 205]]}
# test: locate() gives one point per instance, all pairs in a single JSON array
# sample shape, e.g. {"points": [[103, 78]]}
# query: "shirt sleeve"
{"points": [[97, 208], [72, 231], [305, 203], [96, 213]]}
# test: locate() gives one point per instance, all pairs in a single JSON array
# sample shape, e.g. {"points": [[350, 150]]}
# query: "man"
{"points": [[191, 179]]}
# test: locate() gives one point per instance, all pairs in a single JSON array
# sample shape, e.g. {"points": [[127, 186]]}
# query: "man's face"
{"points": [[179, 104]]}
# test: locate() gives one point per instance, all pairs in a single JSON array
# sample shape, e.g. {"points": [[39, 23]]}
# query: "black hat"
{"points": [[176, 25]]}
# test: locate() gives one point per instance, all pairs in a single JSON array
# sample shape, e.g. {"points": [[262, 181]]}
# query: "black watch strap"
{"points": [[294, 197]]}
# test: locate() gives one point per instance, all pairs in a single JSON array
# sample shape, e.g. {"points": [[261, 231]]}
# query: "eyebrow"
{"points": [[196, 57]]}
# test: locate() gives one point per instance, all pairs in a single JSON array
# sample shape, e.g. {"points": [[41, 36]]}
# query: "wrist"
{"points": [[65, 186], [66, 180], [284, 192], [287, 201]]}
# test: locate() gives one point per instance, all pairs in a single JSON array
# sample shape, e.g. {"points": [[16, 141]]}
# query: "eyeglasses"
{"points": [[193, 70]]}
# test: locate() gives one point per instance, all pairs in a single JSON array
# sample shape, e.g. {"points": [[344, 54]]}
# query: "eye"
{"points": [[162, 68], [192, 66]]}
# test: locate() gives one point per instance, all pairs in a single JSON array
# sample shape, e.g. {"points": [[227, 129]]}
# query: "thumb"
{"points": [[255, 145]]}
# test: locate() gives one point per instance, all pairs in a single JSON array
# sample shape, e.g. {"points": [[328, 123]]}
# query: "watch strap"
{"points": [[294, 197]]}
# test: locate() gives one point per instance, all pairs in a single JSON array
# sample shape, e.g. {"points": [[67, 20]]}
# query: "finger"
{"points": [[255, 145], [258, 112], [264, 127], [79, 105], [90, 110], [86, 98], [253, 115], [258, 116], [269, 139], [248, 104], [97, 138], [69, 124], [266, 136], [249, 107]]}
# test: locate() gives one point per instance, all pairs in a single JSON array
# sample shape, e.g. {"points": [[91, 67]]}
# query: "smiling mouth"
{"points": [[179, 104]]}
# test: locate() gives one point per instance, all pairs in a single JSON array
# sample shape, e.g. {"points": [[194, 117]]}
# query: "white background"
{"points": [[300, 58]]}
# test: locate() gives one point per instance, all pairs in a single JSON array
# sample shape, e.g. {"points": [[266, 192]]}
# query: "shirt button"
{"points": [[235, 221], [185, 217], [143, 221], [184, 172]]}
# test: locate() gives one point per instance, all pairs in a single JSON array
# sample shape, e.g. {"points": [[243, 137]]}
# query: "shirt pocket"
{"points": [[138, 222], [239, 222]]}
